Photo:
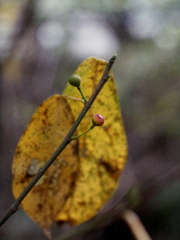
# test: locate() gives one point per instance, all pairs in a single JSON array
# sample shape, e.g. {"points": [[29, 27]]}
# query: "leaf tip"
{"points": [[47, 233]]}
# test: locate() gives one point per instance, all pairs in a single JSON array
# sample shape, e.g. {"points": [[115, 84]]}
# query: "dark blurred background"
{"points": [[42, 43]]}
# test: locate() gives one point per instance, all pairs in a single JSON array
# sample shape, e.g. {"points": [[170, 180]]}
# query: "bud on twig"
{"points": [[75, 80], [97, 120]]}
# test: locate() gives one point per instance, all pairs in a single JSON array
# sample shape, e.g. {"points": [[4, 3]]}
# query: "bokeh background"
{"points": [[42, 43]]}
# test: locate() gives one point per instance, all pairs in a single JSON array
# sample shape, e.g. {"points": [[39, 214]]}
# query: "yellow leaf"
{"points": [[102, 151], [48, 127]]}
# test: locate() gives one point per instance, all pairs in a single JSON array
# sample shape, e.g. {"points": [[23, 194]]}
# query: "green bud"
{"points": [[75, 80], [97, 120]]}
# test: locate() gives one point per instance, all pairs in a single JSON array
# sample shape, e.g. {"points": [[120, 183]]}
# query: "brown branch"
{"points": [[13, 208]]}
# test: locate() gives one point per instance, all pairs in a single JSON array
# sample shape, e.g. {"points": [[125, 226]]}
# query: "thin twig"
{"points": [[135, 225], [13, 208]]}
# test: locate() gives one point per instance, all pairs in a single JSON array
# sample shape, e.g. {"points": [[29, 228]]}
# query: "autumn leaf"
{"points": [[46, 130], [85, 175], [102, 152]]}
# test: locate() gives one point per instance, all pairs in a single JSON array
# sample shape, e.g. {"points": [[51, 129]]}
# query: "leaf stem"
{"points": [[14, 207], [74, 98]]}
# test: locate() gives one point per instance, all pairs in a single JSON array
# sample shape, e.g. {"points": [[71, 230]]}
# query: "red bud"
{"points": [[97, 120]]}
